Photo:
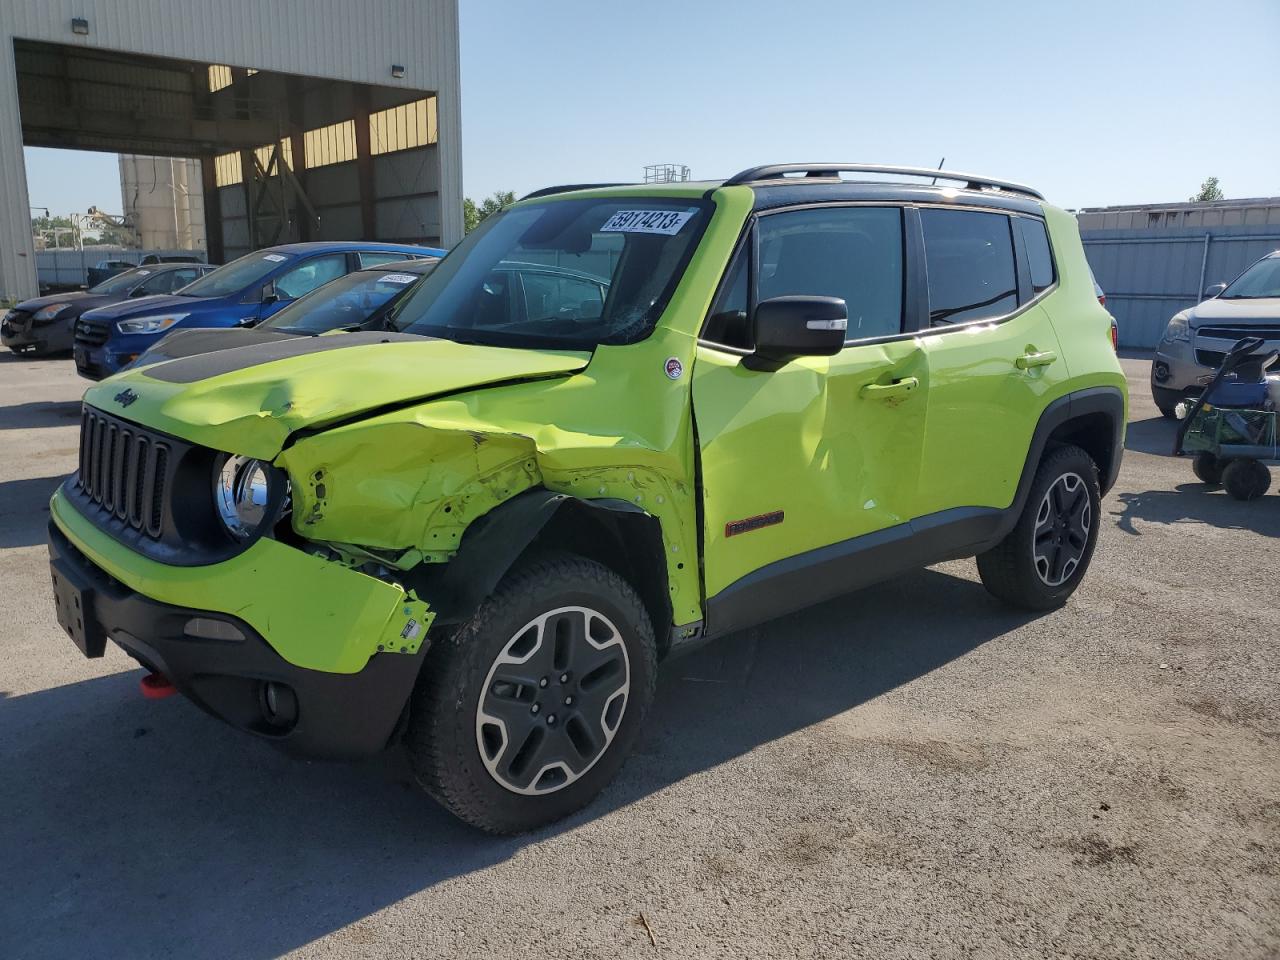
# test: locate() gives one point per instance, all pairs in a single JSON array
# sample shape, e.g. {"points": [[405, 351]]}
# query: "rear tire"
{"points": [[1208, 468], [527, 710], [1043, 559], [1246, 479]]}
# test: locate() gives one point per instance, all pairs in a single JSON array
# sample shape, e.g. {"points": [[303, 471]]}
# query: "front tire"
{"points": [[1246, 479], [1039, 564], [527, 710]]}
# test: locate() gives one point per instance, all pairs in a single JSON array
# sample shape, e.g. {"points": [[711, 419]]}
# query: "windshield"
{"points": [[567, 274], [235, 276], [348, 301], [1260, 280], [121, 282]]}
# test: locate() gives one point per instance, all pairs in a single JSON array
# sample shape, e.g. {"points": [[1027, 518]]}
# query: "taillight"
{"points": [[1115, 334], [1102, 299]]}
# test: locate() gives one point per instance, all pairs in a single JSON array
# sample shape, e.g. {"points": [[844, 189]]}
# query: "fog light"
{"points": [[1160, 371], [279, 704], [205, 628]]}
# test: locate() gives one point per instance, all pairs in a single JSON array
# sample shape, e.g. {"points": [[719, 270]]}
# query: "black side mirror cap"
{"points": [[798, 326], [1213, 290]]}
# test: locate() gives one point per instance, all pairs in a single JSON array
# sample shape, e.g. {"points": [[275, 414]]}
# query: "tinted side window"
{"points": [[1039, 256], [305, 277], [371, 258], [854, 253], [728, 321], [160, 283], [182, 277], [969, 256]]}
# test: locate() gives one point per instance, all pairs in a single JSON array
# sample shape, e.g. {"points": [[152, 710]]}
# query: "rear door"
{"points": [[993, 357], [825, 449]]}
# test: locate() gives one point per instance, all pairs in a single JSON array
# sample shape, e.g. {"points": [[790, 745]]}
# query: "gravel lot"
{"points": [[910, 772]]}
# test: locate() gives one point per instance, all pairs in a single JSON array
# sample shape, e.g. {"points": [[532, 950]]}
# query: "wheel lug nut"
{"points": [[564, 678], [568, 701], [542, 682], [551, 720], [535, 708]]}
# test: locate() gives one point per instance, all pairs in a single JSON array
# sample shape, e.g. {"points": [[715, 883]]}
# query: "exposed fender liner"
{"points": [[495, 541], [794, 583]]}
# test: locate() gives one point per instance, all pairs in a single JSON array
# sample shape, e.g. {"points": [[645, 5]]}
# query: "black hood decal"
{"points": [[190, 355]]}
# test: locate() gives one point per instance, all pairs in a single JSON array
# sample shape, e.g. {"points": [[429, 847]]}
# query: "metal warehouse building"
{"points": [[1153, 260], [312, 119]]}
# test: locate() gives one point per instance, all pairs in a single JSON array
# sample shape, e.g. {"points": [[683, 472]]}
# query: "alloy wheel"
{"points": [[1062, 529], [553, 700]]}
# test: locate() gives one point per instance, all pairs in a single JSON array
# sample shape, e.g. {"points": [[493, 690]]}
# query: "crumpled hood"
{"points": [[145, 306], [249, 399], [1234, 311]]}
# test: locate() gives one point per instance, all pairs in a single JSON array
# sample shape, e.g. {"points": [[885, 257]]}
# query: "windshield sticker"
{"points": [[273, 257], [665, 222], [397, 278], [143, 273]]}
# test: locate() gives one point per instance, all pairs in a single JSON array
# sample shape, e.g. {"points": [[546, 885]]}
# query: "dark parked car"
{"points": [[47, 324], [106, 269], [250, 288]]}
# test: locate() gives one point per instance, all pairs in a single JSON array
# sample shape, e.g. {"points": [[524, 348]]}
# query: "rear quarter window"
{"points": [[1039, 255]]}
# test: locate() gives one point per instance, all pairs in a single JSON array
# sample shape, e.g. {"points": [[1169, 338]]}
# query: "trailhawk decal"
{"points": [[665, 222], [735, 527]]}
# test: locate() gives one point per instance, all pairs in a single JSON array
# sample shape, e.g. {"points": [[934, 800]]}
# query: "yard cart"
{"points": [[1231, 428]]}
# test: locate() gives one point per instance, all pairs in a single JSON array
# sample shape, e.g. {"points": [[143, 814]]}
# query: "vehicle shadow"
{"points": [[40, 413], [24, 510], [135, 821], [8, 356], [1198, 503], [1154, 436]]}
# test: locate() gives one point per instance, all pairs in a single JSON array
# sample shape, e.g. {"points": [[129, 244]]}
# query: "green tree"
{"points": [[1209, 190], [473, 215], [47, 222]]}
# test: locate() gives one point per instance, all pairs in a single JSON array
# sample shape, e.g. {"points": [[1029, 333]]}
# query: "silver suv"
{"points": [[1196, 340]]}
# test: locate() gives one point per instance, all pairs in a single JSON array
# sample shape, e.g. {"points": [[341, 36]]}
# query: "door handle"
{"points": [[1029, 360], [883, 391]]}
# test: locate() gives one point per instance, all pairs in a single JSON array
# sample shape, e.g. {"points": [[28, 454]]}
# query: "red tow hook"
{"points": [[156, 686]]}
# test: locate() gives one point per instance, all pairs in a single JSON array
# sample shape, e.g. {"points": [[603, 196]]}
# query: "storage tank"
{"points": [[163, 199]]}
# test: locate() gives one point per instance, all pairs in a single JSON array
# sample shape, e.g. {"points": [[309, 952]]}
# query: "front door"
{"points": [[799, 462]]}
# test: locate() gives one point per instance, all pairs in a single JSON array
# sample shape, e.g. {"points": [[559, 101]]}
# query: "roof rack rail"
{"points": [[824, 171], [566, 187]]}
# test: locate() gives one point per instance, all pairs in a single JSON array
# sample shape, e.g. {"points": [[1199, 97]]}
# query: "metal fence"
{"points": [[70, 268], [1149, 275]]}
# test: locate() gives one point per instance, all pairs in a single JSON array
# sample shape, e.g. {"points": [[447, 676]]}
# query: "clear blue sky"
{"points": [[1093, 102]]}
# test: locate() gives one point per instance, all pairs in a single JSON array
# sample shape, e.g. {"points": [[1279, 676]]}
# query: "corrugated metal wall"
{"points": [[1149, 275], [333, 39]]}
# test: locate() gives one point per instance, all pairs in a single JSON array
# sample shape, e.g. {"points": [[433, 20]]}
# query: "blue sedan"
{"points": [[245, 290]]}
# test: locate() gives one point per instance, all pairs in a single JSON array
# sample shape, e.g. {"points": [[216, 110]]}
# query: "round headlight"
{"points": [[242, 493]]}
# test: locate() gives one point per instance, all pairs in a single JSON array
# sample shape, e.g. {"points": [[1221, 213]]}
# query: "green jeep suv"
{"points": [[478, 530]]}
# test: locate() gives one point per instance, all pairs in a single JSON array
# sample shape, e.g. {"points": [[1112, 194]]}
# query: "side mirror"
{"points": [[1213, 290], [269, 293], [788, 327]]}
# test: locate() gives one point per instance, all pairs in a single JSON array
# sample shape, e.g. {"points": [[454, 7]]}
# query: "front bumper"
{"points": [[18, 333], [332, 636]]}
